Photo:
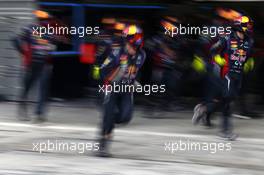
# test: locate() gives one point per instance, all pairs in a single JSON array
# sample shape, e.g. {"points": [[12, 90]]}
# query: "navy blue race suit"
{"points": [[119, 68], [236, 52], [37, 66]]}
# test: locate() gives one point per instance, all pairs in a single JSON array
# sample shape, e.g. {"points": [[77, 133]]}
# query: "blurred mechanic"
{"points": [[120, 67], [236, 50], [36, 51], [165, 71]]}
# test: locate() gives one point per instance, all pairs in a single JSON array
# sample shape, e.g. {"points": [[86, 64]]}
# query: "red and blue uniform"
{"points": [[36, 52], [122, 68], [119, 68], [236, 52]]}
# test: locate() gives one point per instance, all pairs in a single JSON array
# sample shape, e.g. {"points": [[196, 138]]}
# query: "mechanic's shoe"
{"points": [[22, 112], [38, 119], [197, 107], [199, 112], [207, 123], [103, 148], [229, 136]]}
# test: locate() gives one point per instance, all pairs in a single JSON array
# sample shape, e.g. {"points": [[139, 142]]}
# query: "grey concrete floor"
{"points": [[138, 148]]}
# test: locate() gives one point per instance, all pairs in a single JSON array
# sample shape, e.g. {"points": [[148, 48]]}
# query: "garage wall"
{"points": [[13, 16]]}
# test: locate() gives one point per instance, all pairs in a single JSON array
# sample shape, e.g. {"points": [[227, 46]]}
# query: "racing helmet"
{"points": [[40, 14], [243, 24], [134, 36]]}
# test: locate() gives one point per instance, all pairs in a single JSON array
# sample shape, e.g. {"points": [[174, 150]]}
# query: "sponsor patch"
{"points": [[233, 45]]}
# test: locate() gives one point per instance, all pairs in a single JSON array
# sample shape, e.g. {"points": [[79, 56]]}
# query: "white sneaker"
{"points": [[199, 112]]}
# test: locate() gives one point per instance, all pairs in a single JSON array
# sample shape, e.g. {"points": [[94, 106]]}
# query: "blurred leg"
{"points": [[108, 113], [43, 89], [29, 79], [226, 120], [125, 108]]}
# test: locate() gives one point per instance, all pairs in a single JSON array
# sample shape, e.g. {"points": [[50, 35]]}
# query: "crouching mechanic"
{"points": [[120, 68], [236, 50]]}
